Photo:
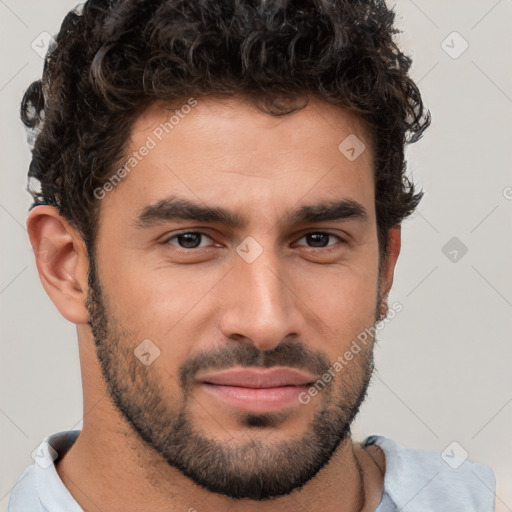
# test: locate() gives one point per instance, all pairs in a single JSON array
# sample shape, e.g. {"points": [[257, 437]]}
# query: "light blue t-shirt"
{"points": [[415, 480]]}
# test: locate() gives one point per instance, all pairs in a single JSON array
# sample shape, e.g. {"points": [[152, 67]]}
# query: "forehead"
{"points": [[317, 124], [226, 152]]}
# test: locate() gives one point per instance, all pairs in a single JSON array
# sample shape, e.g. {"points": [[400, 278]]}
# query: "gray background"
{"points": [[444, 362]]}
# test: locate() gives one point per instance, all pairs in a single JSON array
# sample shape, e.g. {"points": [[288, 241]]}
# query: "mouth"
{"points": [[257, 390]]}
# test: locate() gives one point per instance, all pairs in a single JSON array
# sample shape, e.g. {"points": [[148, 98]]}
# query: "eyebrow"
{"points": [[180, 209]]}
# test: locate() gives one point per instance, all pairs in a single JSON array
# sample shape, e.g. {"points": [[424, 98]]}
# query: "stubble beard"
{"points": [[258, 469]]}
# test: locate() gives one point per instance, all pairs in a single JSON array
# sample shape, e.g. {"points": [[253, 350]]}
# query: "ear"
{"points": [[388, 267], [61, 261]]}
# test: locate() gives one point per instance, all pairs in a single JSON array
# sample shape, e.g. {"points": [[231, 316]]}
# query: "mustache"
{"points": [[288, 354]]}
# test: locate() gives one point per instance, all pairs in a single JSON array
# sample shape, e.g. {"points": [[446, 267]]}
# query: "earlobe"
{"points": [[61, 261]]}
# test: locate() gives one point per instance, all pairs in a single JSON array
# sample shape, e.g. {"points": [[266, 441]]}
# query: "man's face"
{"points": [[243, 326]]}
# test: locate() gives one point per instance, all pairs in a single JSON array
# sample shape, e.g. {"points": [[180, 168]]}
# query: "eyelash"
{"points": [[195, 249]]}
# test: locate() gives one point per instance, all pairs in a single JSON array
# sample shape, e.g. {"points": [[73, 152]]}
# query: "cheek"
{"points": [[343, 298], [157, 300]]}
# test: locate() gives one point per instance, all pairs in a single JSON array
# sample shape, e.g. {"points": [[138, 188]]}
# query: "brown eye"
{"points": [[319, 239], [188, 240]]}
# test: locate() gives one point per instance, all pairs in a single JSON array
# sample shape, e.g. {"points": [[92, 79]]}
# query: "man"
{"points": [[221, 188]]}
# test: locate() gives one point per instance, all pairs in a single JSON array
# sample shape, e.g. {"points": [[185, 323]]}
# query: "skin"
{"points": [[259, 167]]}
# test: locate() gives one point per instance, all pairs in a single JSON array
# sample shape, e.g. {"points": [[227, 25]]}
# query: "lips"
{"points": [[256, 390], [258, 378]]}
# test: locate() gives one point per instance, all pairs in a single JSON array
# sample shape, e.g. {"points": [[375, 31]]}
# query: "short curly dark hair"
{"points": [[116, 57]]}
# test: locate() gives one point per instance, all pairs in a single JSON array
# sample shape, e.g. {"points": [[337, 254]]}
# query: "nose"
{"points": [[260, 306]]}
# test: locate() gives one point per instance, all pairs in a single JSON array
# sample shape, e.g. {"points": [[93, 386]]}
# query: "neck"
{"points": [[109, 466]]}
